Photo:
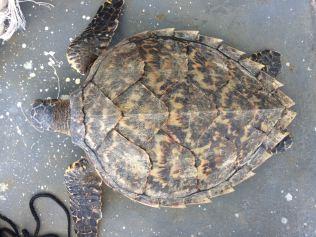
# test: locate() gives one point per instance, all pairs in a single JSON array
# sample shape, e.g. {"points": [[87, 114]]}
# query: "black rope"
{"points": [[14, 232]]}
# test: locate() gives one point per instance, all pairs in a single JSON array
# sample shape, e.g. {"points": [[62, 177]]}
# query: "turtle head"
{"points": [[51, 115]]}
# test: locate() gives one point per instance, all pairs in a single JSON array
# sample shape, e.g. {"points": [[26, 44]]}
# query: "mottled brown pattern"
{"points": [[140, 128], [139, 100], [86, 48], [207, 68], [120, 69], [195, 123], [143, 112], [216, 156], [191, 113], [84, 187], [173, 171], [101, 115], [163, 69], [127, 164], [287, 118]]}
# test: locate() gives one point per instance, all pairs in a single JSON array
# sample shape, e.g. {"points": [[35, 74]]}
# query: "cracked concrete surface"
{"points": [[278, 201]]}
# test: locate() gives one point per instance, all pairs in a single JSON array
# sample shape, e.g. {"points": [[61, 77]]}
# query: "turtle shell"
{"points": [[171, 118]]}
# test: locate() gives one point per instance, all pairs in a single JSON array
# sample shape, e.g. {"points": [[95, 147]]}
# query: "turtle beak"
{"points": [[42, 114]]}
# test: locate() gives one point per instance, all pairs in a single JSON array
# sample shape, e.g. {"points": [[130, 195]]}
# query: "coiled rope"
{"points": [[14, 231]]}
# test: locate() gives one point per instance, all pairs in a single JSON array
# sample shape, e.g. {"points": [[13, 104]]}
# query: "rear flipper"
{"points": [[271, 60], [84, 188], [84, 50], [284, 145]]}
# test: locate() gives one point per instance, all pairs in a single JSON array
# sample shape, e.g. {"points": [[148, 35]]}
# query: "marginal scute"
{"points": [[120, 69], [253, 67], [287, 118], [146, 200], [241, 175], [231, 52], [101, 115], [127, 164], [187, 34], [259, 157], [286, 101], [201, 197], [210, 41], [221, 189], [274, 138], [269, 83], [164, 32], [140, 36], [174, 202]]}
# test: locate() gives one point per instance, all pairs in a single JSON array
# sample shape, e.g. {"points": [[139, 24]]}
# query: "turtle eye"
{"points": [[41, 115]]}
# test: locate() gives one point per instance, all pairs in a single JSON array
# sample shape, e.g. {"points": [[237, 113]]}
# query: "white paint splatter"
{"points": [[288, 64], [4, 187], [53, 63], [237, 215], [18, 131], [32, 75], [288, 197], [23, 46], [28, 65], [284, 220], [77, 81]]}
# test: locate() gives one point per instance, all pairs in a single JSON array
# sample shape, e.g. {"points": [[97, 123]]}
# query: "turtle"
{"points": [[166, 117]]}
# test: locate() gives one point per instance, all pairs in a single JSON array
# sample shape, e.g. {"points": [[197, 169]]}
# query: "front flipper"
{"points": [[84, 188], [271, 60], [84, 50]]}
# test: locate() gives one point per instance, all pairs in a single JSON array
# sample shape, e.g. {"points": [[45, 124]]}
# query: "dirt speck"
{"points": [[161, 17]]}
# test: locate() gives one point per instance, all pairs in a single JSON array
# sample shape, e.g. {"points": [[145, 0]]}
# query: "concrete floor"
{"points": [[278, 201]]}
